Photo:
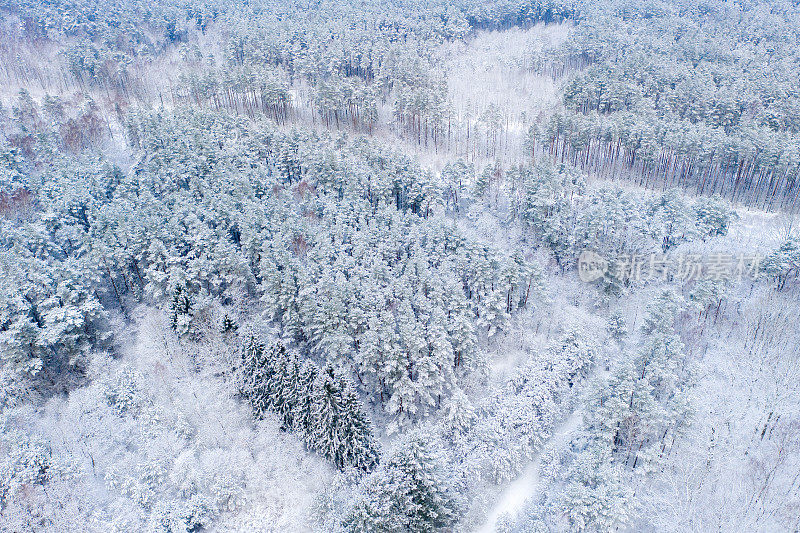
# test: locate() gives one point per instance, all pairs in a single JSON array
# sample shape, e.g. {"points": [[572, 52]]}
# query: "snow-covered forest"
{"points": [[426, 265]]}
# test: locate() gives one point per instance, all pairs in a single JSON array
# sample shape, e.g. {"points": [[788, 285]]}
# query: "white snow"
{"points": [[522, 489]]}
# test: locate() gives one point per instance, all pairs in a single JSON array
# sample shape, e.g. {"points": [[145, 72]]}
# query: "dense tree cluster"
{"points": [[180, 180], [322, 406], [354, 56], [648, 95], [337, 240], [51, 315], [381, 56], [103, 39], [568, 216], [698, 95]]}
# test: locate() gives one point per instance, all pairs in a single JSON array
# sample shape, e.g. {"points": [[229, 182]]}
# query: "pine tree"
{"points": [[713, 216], [574, 355], [596, 497], [670, 220], [482, 183], [783, 264], [75, 321], [459, 414]]}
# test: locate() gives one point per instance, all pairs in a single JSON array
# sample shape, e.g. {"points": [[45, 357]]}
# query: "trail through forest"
{"points": [[525, 487]]}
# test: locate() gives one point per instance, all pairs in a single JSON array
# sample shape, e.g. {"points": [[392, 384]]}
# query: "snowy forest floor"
{"points": [[517, 493], [731, 369], [160, 421]]}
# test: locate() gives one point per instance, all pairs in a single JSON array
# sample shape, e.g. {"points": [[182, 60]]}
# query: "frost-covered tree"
{"points": [[596, 497], [650, 402], [339, 429], [616, 327], [783, 264], [410, 491], [670, 220], [714, 216], [321, 406]]}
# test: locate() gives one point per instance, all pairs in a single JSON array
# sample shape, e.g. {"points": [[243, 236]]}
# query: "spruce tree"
{"points": [[270, 377], [302, 413], [250, 371], [287, 380], [181, 310], [229, 325], [359, 447], [326, 416]]}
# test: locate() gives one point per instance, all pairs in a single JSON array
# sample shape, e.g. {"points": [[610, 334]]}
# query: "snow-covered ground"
{"points": [[492, 77], [158, 436], [518, 492]]}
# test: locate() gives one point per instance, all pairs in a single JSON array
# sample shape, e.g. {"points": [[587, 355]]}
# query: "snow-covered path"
{"points": [[513, 498]]}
